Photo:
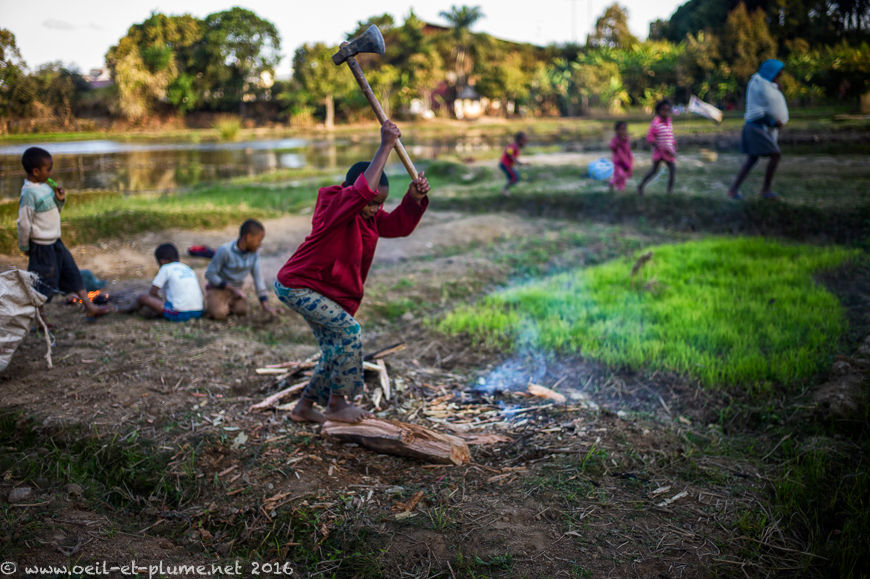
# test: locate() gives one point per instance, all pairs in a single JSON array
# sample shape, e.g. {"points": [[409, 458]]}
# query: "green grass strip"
{"points": [[743, 311]]}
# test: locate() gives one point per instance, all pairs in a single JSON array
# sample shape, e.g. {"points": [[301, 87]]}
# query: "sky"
{"points": [[79, 32]]}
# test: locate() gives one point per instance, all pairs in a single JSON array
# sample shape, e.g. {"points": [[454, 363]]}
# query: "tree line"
{"points": [[225, 63]]}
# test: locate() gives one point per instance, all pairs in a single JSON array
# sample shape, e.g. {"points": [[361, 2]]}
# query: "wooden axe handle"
{"points": [[379, 112]]}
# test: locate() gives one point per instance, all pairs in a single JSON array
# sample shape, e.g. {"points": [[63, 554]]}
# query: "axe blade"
{"points": [[370, 41]]}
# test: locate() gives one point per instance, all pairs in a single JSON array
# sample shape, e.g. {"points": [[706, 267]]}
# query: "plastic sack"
{"points": [[776, 105], [601, 169], [18, 303], [706, 110], [764, 98]]}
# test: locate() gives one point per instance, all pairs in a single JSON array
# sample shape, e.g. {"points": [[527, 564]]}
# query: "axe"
{"points": [[370, 41]]}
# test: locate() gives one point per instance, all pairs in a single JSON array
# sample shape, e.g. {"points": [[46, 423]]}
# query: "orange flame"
{"points": [[91, 296]]}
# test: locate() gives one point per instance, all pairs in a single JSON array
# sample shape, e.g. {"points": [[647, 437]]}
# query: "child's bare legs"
{"points": [[734, 191], [153, 303], [653, 170], [338, 375], [769, 173], [672, 173]]}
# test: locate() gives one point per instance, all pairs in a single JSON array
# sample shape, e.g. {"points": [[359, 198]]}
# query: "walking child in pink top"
{"points": [[661, 136], [623, 160], [509, 158]]}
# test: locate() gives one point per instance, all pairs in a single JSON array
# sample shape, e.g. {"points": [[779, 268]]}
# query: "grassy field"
{"points": [[725, 312], [821, 118], [841, 214]]}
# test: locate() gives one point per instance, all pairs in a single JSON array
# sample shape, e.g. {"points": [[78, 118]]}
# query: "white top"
{"points": [[180, 286], [764, 98]]}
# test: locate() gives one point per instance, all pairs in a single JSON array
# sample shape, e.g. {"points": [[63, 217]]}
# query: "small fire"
{"points": [[96, 296]]}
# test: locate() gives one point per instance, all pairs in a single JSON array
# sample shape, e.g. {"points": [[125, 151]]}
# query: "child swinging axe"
{"points": [[371, 41]]}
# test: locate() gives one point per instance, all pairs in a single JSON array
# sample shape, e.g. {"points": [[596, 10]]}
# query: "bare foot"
{"points": [[304, 411], [506, 192], [94, 311], [341, 410]]}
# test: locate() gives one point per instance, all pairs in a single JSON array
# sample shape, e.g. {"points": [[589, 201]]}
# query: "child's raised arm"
{"points": [[419, 188], [390, 133], [353, 198], [403, 219]]}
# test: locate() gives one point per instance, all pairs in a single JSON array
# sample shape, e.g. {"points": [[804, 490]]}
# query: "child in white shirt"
{"points": [[182, 299]]}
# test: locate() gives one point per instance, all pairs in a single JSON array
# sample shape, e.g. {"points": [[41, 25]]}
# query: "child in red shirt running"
{"points": [[509, 158], [661, 136], [623, 160], [323, 280]]}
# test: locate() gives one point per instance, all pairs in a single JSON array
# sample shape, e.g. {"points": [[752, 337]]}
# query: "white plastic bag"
{"points": [[776, 106], [18, 306], [703, 109]]}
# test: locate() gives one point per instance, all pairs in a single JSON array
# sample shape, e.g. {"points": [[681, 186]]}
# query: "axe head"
{"points": [[369, 41]]}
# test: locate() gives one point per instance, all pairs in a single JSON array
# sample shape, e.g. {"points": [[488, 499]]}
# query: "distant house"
{"points": [[468, 104], [99, 78], [429, 29], [458, 96]]}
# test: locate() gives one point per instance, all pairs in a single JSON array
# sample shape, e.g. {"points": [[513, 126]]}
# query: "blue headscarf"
{"points": [[770, 68]]}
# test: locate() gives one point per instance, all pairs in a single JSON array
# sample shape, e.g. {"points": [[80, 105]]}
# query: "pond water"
{"points": [[160, 166]]}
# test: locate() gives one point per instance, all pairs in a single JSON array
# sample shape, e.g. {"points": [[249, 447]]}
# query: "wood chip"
{"points": [[227, 471], [389, 350], [474, 439], [673, 499], [385, 378], [410, 505], [661, 490], [271, 400], [544, 392]]}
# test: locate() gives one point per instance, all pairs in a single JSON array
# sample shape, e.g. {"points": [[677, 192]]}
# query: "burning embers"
{"points": [[98, 297]]}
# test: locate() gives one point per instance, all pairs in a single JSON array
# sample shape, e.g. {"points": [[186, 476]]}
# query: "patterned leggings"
{"points": [[339, 336]]}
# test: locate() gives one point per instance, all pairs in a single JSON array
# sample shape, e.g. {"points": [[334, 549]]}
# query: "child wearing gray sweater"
{"points": [[226, 273]]}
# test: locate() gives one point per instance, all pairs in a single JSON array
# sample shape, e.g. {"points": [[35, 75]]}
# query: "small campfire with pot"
{"points": [[98, 297]]}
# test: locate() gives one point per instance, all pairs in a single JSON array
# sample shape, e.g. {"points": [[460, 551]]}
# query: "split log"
{"points": [[544, 392], [402, 439], [371, 367], [384, 352], [286, 367], [385, 378], [271, 400]]}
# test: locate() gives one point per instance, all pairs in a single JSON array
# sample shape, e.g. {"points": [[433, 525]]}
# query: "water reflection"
{"points": [[136, 167]]}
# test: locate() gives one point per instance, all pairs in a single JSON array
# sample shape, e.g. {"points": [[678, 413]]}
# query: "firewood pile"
{"points": [[408, 409]]}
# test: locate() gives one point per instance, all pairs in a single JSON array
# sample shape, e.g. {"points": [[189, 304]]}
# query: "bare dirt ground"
{"points": [[140, 442]]}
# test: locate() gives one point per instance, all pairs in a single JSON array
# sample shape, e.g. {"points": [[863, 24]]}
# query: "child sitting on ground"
{"points": [[509, 158], [39, 232], [661, 136], [182, 299], [226, 273], [323, 280], [623, 160]]}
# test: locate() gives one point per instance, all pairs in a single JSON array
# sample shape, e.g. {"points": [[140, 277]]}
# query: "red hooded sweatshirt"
{"points": [[334, 259]]}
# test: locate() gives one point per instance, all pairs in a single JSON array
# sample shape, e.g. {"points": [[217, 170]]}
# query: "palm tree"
{"points": [[461, 19]]}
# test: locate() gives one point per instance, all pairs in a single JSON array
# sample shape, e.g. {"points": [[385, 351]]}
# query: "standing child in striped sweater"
{"points": [[661, 136], [39, 233]]}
